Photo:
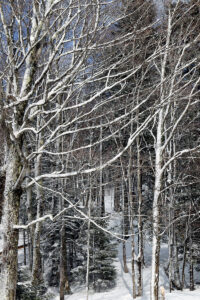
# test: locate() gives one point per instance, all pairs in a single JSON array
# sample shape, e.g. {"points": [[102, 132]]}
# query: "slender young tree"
{"points": [[171, 84]]}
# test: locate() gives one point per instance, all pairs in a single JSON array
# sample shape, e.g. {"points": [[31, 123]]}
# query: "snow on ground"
{"points": [[123, 289], [185, 295]]}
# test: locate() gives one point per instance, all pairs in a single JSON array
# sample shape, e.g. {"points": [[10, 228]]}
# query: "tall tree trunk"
{"points": [[101, 194], [140, 259], [191, 276], [24, 241], [116, 198], [37, 272], [14, 166], [30, 219], [130, 196], [159, 172], [156, 213], [191, 270], [183, 265], [124, 257], [2, 186], [64, 284], [88, 239], [185, 250], [125, 223], [171, 232], [12, 196], [176, 263]]}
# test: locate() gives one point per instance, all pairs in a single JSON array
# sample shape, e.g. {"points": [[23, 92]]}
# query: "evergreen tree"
{"points": [[102, 254]]}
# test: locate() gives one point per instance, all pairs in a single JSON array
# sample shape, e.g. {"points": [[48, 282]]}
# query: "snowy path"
{"points": [[123, 289]]}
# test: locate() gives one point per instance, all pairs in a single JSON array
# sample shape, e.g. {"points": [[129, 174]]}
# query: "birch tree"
{"points": [[61, 57], [48, 50], [172, 86]]}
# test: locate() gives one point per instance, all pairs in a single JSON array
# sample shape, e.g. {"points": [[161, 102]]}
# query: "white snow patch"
{"points": [[123, 289], [109, 193]]}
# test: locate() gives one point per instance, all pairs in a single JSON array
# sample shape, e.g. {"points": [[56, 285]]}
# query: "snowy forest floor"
{"points": [[123, 288]]}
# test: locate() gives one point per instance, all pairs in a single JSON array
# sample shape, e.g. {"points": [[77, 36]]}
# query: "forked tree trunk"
{"points": [[12, 196], [13, 191]]}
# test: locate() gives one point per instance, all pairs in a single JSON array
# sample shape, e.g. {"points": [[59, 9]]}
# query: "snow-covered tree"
{"points": [[48, 67]]}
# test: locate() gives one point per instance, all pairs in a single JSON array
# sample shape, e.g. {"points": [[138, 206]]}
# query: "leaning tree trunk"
{"points": [[12, 194]]}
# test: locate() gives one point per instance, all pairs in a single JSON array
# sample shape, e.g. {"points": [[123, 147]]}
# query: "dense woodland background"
{"points": [[100, 105]]}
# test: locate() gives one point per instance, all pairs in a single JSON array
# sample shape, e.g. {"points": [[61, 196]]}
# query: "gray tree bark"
{"points": [[130, 196], [140, 259], [12, 194]]}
